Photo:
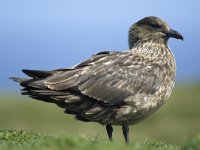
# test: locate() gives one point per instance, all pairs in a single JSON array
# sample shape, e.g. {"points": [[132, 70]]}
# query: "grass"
{"points": [[17, 140], [25, 140], [177, 120]]}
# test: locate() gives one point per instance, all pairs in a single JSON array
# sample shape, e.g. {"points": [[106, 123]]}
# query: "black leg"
{"points": [[125, 130], [109, 129]]}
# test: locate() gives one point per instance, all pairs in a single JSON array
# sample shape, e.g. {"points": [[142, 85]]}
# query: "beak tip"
{"points": [[175, 34], [179, 36], [182, 38]]}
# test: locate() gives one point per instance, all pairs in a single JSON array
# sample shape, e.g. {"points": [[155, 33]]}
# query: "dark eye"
{"points": [[155, 25]]}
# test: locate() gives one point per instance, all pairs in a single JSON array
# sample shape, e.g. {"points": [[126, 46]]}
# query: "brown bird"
{"points": [[113, 88]]}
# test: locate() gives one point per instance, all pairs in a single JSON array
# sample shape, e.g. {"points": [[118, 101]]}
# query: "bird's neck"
{"points": [[153, 50], [147, 45], [144, 38]]}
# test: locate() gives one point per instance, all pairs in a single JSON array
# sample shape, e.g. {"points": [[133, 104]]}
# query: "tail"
{"points": [[37, 74], [20, 80], [35, 87], [34, 74]]}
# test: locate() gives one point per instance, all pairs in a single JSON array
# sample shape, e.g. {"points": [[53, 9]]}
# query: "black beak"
{"points": [[174, 34]]}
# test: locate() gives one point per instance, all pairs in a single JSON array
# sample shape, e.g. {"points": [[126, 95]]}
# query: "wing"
{"points": [[110, 77]]}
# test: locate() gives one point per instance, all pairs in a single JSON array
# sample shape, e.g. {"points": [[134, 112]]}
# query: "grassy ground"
{"points": [[175, 122], [14, 140]]}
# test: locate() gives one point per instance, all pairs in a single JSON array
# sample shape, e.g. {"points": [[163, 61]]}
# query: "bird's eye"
{"points": [[155, 25]]}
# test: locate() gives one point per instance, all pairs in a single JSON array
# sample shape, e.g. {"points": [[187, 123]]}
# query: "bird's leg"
{"points": [[109, 129], [125, 130]]}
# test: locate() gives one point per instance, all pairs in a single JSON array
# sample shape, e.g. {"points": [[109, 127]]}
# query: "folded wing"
{"points": [[109, 77]]}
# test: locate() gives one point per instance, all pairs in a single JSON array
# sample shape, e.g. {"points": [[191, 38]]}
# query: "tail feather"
{"points": [[36, 88], [20, 80], [37, 74]]}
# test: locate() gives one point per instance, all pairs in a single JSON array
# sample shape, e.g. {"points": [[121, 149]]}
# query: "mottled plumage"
{"points": [[113, 88]]}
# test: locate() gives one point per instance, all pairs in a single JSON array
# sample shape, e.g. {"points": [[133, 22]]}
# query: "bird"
{"points": [[119, 88]]}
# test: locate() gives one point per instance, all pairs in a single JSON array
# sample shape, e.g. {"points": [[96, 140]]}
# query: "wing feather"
{"points": [[110, 77]]}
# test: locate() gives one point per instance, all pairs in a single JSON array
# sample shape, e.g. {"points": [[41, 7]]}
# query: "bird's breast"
{"points": [[155, 85]]}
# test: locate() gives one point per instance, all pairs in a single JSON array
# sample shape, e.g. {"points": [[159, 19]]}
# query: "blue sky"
{"points": [[47, 34]]}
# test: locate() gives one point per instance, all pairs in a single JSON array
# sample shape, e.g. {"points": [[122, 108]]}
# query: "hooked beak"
{"points": [[174, 34]]}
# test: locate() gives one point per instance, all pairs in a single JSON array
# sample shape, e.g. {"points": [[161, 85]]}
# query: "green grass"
{"points": [[16, 140], [175, 122], [25, 140]]}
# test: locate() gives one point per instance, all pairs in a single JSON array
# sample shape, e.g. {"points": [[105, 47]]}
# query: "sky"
{"points": [[51, 34]]}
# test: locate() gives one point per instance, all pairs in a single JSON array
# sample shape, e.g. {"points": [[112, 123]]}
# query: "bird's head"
{"points": [[151, 29]]}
